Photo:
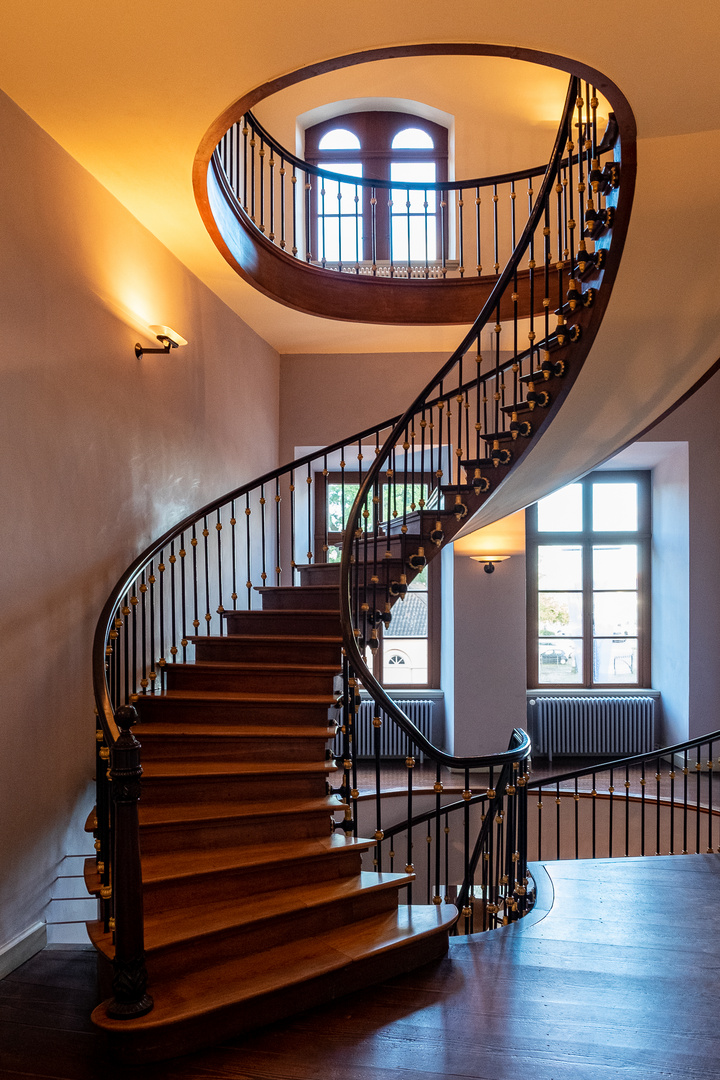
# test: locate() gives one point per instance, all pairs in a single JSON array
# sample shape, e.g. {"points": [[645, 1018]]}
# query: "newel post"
{"points": [[129, 981]]}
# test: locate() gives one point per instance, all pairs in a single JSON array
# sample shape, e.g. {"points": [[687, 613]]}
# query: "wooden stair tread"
{"points": [[169, 928], [282, 613], [160, 769], [292, 588], [244, 667], [201, 813], [232, 697], [170, 866], [174, 729], [242, 979], [276, 639]]}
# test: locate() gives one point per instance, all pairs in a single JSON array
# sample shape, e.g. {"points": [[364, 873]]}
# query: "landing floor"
{"points": [[615, 974]]}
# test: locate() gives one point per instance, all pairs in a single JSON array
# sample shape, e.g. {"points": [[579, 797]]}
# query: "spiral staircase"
{"points": [[234, 886]]}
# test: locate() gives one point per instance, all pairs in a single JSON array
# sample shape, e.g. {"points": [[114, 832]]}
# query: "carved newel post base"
{"points": [[129, 973]]}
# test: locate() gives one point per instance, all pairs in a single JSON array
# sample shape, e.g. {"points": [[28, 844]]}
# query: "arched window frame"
{"points": [[376, 131]]}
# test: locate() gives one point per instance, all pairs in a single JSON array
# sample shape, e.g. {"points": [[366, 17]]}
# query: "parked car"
{"points": [[552, 653]]}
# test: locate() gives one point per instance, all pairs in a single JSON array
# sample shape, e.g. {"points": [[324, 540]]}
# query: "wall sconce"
{"points": [[169, 338], [489, 561]]}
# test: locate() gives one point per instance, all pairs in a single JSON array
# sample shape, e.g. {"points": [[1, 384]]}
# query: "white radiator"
{"points": [[393, 741], [594, 725]]}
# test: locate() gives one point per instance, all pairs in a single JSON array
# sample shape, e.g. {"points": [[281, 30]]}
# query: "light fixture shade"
{"points": [[166, 333], [489, 558]]}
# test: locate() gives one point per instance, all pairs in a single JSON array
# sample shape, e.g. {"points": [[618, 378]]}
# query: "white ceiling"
{"points": [[130, 88]]}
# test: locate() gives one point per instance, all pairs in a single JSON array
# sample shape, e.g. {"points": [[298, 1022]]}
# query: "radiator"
{"points": [[594, 725], [393, 741]]}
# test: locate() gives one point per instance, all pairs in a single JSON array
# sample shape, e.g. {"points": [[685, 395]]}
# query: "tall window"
{"points": [[588, 549], [409, 651], [385, 146]]}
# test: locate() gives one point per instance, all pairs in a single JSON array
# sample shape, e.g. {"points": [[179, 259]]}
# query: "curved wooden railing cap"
{"points": [[305, 287]]}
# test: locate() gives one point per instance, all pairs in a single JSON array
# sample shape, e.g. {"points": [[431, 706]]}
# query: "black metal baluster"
{"points": [[248, 580], [278, 500], [283, 173], [611, 791], [478, 249], [233, 556], [206, 563], [263, 540]]}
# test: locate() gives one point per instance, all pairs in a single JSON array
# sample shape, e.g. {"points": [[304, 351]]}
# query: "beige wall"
{"points": [[100, 453], [325, 397]]}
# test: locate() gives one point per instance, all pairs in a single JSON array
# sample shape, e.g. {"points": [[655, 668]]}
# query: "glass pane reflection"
{"points": [[561, 511], [559, 660], [615, 661], [615, 507]]}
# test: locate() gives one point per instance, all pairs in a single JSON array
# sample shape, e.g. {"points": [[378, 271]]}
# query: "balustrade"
{"points": [[419, 477]]}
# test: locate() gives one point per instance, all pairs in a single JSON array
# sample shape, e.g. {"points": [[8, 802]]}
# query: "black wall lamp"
{"points": [[489, 561], [170, 340]]}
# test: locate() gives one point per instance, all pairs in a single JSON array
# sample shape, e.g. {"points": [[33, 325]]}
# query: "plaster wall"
{"points": [[100, 453], [489, 655], [697, 423], [324, 397]]}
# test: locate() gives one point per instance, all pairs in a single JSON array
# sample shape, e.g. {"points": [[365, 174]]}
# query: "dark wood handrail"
{"points": [[437, 185], [370, 683], [625, 762]]}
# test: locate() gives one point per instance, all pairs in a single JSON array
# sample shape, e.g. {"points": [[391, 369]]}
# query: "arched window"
{"points": [[385, 146], [412, 138], [339, 139]]}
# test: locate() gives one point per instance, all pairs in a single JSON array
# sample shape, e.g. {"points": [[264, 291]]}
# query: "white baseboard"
{"points": [[22, 947]]}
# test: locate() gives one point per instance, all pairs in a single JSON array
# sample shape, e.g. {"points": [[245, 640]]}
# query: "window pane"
{"points": [[560, 614], [339, 139], [338, 508], [615, 661], [559, 567], [559, 660], [409, 617], [405, 661], [615, 615], [615, 566], [412, 139], [615, 507], [561, 511], [413, 172], [420, 581]]}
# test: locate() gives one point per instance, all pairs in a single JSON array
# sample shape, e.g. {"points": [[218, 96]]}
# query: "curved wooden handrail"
{"points": [[306, 288], [357, 662], [346, 297]]}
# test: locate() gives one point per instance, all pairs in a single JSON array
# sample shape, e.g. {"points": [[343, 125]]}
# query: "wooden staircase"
{"points": [[255, 907]]}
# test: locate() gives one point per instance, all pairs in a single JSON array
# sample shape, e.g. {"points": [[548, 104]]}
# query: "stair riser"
{"points": [[229, 650], [161, 839], [180, 791], [321, 575], [282, 599], [185, 956], [154, 1045], [248, 882], [162, 710], [296, 623], [169, 747], [248, 682]]}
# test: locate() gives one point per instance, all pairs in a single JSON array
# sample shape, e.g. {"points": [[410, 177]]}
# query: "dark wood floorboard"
{"points": [[620, 979]]}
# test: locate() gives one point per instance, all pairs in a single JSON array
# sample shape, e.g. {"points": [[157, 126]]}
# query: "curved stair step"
{"points": [[201, 824], [230, 707], [202, 935], [294, 622], [275, 745], [248, 647], [227, 675], [208, 781], [238, 994]]}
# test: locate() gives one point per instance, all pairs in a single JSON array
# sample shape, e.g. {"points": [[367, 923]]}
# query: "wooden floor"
{"points": [[616, 973]]}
